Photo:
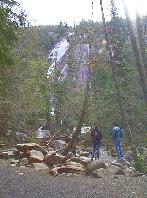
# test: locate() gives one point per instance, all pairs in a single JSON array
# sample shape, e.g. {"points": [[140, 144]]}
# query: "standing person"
{"points": [[96, 137], [117, 138]]}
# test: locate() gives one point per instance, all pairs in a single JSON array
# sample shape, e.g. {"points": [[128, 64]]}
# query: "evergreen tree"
{"points": [[137, 57], [10, 20]]}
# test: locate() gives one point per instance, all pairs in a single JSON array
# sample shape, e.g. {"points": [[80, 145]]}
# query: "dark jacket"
{"points": [[96, 136]]}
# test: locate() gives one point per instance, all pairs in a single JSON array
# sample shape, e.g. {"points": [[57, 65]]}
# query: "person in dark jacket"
{"points": [[117, 139], [96, 137]]}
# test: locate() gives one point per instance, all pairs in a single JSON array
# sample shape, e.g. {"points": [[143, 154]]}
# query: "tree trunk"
{"points": [[141, 43], [117, 86], [81, 120]]}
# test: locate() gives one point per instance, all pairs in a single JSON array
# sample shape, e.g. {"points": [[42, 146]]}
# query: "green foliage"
{"points": [[139, 164], [10, 20], [32, 139], [32, 92], [26, 89], [31, 83]]}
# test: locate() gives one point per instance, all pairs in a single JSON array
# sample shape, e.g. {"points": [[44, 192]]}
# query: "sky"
{"points": [[51, 12]]}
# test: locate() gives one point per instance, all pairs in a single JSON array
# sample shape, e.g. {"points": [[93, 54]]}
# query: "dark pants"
{"points": [[118, 148], [95, 152]]}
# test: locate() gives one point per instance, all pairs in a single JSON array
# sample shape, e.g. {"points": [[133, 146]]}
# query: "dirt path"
{"points": [[41, 185]]}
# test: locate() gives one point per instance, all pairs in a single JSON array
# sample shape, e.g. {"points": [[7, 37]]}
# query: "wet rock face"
{"points": [[81, 53]]}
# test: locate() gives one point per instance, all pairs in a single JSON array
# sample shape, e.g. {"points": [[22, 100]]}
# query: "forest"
{"points": [[101, 77]]}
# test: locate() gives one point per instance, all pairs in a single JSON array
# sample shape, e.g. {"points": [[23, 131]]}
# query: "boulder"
{"points": [[84, 153], [85, 160], [116, 170], [113, 169], [129, 157], [63, 137], [30, 146], [144, 151], [120, 172], [117, 165], [81, 160], [18, 154], [40, 166], [137, 174], [2, 145], [102, 172], [14, 161], [76, 166], [50, 149], [70, 155], [53, 158], [145, 170], [6, 154], [94, 165], [10, 154], [57, 143], [70, 167], [23, 162], [36, 156], [13, 165], [145, 178], [130, 171]]}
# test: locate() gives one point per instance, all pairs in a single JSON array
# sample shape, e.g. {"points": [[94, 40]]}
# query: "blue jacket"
{"points": [[116, 133]]}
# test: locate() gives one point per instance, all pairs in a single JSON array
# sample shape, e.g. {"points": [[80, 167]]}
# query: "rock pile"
{"points": [[49, 157]]}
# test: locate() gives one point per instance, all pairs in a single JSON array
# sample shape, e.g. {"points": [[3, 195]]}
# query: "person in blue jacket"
{"points": [[96, 137], [117, 138]]}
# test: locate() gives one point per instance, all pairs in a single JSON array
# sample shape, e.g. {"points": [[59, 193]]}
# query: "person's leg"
{"points": [[97, 151], [117, 150], [120, 150], [93, 151]]}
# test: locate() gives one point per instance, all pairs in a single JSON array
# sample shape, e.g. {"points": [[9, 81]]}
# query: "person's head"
{"points": [[97, 126], [115, 124]]}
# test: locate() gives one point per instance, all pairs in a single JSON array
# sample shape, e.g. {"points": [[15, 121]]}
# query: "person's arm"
{"points": [[101, 136], [113, 134], [92, 136], [121, 133]]}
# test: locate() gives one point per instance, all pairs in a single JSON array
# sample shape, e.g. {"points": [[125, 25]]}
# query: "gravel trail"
{"points": [[34, 184]]}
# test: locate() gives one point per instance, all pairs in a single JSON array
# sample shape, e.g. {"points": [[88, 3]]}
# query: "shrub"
{"points": [[140, 163]]}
